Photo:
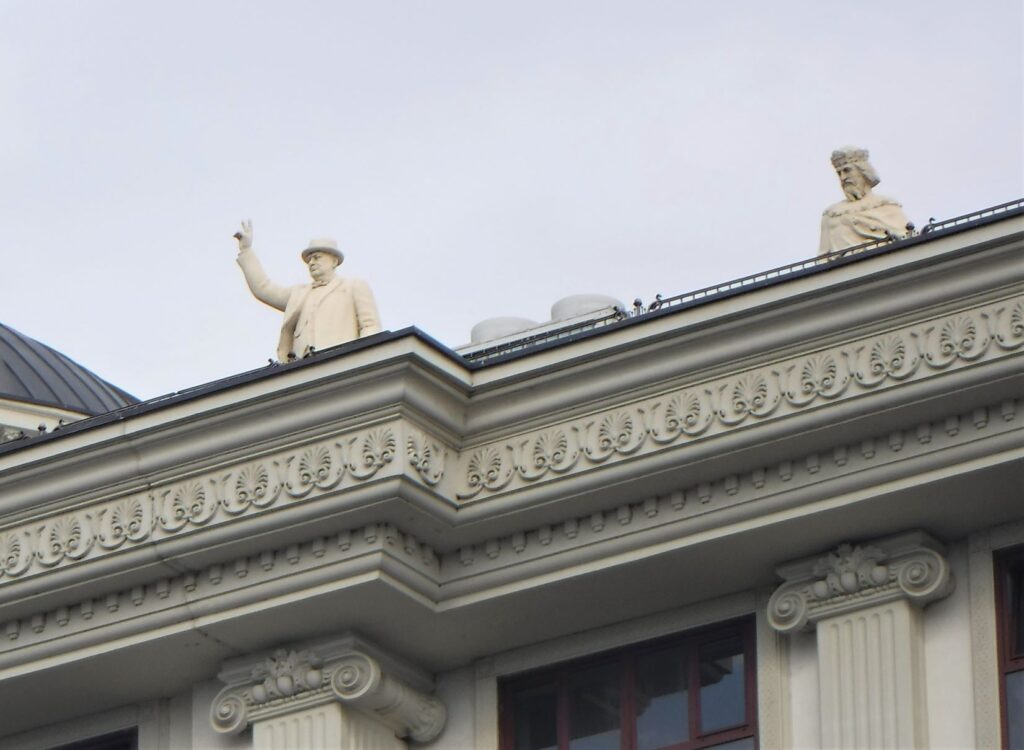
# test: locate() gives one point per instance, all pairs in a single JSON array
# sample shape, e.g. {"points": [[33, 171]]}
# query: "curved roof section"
{"points": [[33, 372]]}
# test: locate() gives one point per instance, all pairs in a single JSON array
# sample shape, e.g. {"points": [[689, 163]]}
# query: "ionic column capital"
{"points": [[347, 670], [909, 566]]}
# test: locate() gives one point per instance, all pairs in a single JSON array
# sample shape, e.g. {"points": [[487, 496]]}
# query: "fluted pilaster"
{"points": [[864, 602]]}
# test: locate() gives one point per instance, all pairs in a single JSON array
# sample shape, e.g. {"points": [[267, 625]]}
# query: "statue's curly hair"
{"points": [[859, 158]]}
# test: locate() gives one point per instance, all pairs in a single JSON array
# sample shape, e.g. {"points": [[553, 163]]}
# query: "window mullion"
{"points": [[693, 685], [627, 711], [563, 711]]}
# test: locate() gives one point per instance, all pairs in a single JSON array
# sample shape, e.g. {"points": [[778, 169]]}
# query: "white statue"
{"points": [[863, 216], [330, 311]]}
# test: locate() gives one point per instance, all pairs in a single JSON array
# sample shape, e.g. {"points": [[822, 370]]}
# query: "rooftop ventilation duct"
{"points": [[576, 305], [499, 328]]}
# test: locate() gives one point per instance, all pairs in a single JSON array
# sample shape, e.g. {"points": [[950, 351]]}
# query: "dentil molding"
{"points": [[910, 566], [347, 670]]}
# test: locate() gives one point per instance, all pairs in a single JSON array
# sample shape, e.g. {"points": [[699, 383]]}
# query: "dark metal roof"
{"points": [[33, 372]]}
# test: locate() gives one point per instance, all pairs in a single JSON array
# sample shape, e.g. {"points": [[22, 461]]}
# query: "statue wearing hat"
{"points": [[864, 216], [329, 311]]}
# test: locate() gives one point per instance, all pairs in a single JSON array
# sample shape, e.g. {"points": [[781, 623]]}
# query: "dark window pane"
{"points": [[594, 708], [535, 711], [662, 708], [722, 685], [1015, 710], [126, 739], [747, 743]]}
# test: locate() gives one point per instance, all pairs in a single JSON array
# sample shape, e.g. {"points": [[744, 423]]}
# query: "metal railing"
{"points": [[747, 283]]}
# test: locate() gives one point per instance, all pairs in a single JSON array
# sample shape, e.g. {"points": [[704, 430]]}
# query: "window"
{"points": [[1010, 617], [683, 693], [126, 739]]}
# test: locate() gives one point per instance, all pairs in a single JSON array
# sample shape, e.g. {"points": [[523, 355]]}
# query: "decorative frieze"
{"points": [[851, 577], [345, 670], [207, 500], [712, 407]]}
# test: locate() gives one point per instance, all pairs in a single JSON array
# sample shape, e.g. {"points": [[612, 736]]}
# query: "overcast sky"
{"points": [[473, 159]]}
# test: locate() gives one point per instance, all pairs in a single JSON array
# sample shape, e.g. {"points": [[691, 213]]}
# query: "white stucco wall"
{"points": [[948, 668], [456, 689], [803, 691]]}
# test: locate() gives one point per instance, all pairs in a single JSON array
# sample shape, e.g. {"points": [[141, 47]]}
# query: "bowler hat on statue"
{"points": [[323, 245]]}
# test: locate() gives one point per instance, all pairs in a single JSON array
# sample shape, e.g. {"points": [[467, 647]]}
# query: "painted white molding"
{"points": [[865, 602], [280, 686]]}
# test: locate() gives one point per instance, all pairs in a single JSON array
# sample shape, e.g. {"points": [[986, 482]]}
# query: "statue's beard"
{"points": [[854, 192]]}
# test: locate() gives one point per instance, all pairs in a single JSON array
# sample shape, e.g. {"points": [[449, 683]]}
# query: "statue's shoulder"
{"points": [[884, 200], [836, 209], [870, 203]]}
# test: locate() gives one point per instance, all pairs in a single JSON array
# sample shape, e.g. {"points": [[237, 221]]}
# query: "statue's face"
{"points": [[854, 183], [321, 265]]}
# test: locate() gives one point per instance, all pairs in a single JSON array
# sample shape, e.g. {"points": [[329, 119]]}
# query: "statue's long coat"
{"points": [[344, 312]]}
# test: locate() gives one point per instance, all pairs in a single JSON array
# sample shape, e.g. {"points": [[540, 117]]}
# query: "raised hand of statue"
{"points": [[244, 237]]}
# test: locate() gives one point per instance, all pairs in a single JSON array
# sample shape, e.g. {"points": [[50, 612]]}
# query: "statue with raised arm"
{"points": [[864, 216], [331, 310]]}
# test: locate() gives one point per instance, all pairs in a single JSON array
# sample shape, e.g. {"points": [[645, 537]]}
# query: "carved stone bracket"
{"points": [[346, 670], [909, 566]]}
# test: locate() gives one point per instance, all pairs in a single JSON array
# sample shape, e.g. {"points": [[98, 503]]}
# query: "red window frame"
{"points": [[1009, 573], [626, 658]]}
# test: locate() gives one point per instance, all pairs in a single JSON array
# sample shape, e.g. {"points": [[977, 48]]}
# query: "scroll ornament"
{"points": [[910, 566], [291, 681]]}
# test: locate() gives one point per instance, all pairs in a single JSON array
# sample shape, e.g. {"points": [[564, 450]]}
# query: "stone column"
{"points": [[864, 602], [343, 694]]}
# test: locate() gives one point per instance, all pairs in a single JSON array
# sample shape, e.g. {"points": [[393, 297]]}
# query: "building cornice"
{"points": [[493, 567], [971, 342]]}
